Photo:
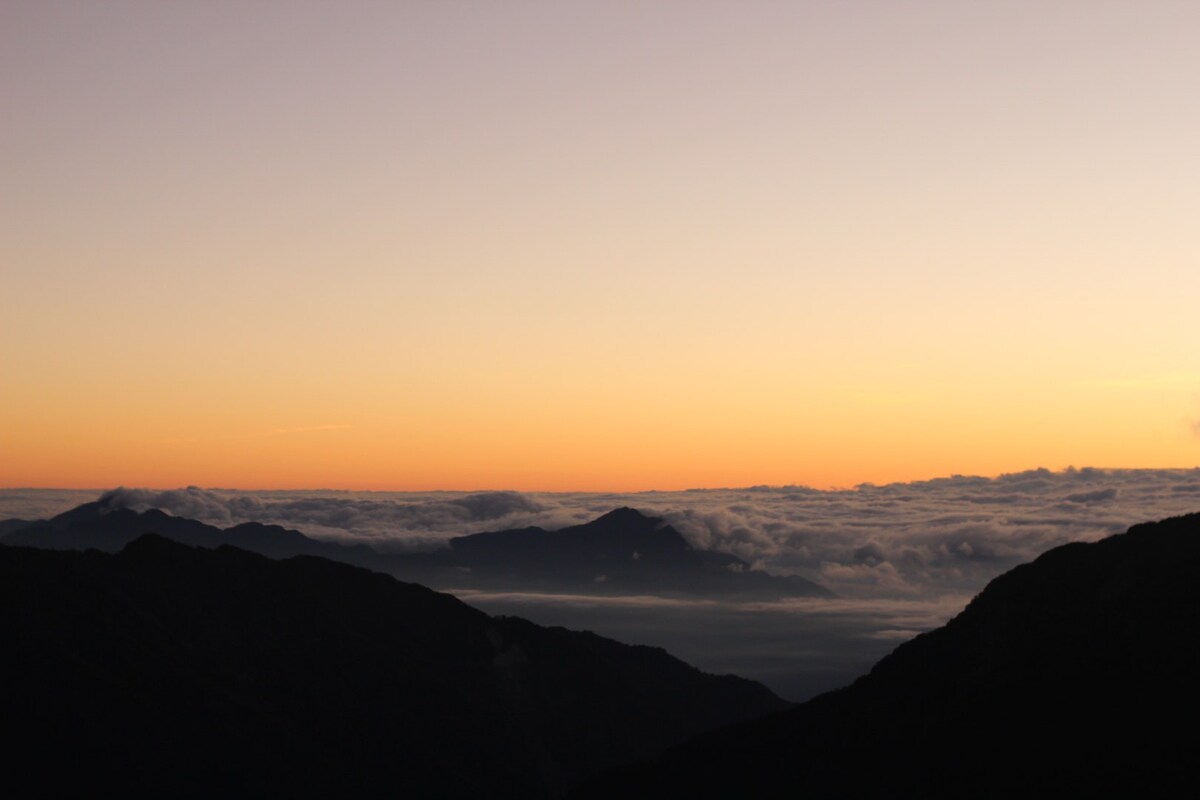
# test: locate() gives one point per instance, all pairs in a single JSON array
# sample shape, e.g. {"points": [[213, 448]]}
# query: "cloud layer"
{"points": [[903, 558], [904, 540]]}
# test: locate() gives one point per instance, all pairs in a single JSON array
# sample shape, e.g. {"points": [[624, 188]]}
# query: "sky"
{"points": [[595, 246]]}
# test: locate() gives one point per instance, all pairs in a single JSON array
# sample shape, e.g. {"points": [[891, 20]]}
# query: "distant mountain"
{"points": [[7, 526], [622, 552], [1077, 675], [167, 670], [107, 527]]}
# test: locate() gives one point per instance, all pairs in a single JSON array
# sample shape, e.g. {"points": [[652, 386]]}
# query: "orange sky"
{"points": [[601, 246]]}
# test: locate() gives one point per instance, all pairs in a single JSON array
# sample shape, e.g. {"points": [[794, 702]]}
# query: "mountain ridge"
{"points": [[622, 551], [303, 676], [1075, 673]]}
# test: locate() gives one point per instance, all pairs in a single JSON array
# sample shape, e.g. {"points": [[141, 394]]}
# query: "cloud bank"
{"points": [[903, 540], [903, 558]]}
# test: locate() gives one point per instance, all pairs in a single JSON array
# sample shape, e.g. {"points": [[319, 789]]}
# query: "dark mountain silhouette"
{"points": [[7, 526], [1073, 676], [622, 552], [102, 526], [167, 669]]}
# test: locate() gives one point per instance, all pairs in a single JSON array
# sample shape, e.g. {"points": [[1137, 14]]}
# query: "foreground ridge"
{"points": [[169, 669], [1075, 674]]}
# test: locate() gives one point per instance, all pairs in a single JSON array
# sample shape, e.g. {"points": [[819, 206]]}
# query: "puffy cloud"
{"points": [[387, 520], [1098, 496]]}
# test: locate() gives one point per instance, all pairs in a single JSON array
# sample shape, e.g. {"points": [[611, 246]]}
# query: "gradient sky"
{"points": [[595, 246]]}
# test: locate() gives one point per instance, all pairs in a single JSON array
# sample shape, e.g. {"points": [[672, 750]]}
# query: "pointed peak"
{"points": [[99, 510], [85, 512], [626, 516], [636, 526]]}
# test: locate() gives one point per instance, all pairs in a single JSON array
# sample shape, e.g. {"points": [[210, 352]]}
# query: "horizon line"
{"points": [[749, 487]]}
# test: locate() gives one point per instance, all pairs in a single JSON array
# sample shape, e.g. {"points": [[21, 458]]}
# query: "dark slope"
{"points": [[167, 669], [621, 552], [7, 526], [1074, 675]]}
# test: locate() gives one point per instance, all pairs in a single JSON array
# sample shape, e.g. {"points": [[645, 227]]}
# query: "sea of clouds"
{"points": [[902, 540], [902, 558]]}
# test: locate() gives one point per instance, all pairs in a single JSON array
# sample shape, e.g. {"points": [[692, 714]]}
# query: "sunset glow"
{"points": [[595, 246]]}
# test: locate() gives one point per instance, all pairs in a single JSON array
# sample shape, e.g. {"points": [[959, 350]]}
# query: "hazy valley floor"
{"points": [[797, 648]]}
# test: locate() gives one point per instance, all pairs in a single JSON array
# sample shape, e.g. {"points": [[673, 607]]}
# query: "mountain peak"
{"points": [[625, 516], [626, 526]]}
